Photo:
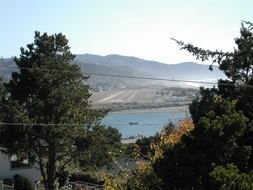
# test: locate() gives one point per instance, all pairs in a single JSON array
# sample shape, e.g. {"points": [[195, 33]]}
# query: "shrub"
{"points": [[85, 176], [22, 183]]}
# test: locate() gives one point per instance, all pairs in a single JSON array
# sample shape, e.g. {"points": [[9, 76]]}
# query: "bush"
{"points": [[22, 183], [230, 177], [86, 177]]}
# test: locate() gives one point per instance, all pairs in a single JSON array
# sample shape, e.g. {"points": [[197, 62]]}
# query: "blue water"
{"points": [[149, 123]]}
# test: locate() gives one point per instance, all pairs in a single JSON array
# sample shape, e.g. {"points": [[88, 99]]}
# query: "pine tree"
{"points": [[48, 102], [223, 132]]}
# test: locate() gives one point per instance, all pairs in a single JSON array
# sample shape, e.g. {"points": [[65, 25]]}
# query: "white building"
{"points": [[9, 167]]}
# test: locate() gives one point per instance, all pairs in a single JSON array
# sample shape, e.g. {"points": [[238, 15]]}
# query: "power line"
{"points": [[77, 124], [156, 123], [108, 75], [41, 124], [129, 77], [151, 78]]}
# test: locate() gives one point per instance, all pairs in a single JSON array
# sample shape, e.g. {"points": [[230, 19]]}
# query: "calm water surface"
{"points": [[146, 123]]}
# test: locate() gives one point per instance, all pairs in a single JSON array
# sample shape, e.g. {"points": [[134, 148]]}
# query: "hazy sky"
{"points": [[140, 28]]}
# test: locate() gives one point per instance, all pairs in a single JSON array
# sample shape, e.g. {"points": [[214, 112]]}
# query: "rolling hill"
{"points": [[130, 66], [186, 70]]}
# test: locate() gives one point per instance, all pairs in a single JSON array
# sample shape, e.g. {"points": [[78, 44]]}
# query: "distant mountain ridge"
{"points": [[185, 71], [130, 66]]}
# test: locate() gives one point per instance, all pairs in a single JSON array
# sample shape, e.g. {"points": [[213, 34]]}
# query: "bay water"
{"points": [[145, 123]]}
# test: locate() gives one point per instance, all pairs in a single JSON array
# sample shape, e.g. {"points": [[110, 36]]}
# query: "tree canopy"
{"points": [[221, 143], [46, 108]]}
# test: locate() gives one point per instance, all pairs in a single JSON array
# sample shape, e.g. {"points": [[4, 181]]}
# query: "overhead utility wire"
{"points": [[130, 77], [41, 124], [77, 124], [106, 75]]}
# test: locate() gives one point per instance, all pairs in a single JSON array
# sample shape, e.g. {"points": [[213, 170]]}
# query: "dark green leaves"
{"points": [[48, 101]]}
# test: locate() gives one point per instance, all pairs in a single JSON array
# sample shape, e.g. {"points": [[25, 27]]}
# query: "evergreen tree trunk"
{"points": [[51, 170]]}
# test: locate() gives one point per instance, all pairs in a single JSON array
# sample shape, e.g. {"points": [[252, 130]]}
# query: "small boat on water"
{"points": [[133, 123]]}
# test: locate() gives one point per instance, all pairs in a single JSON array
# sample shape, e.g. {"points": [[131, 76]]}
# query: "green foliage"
{"points": [[230, 178], [144, 145], [143, 179], [128, 150], [97, 145], [1, 96], [22, 183], [216, 140], [48, 100], [223, 132], [85, 176]]}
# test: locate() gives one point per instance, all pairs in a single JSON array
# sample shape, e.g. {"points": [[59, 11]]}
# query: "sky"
{"points": [[140, 28]]}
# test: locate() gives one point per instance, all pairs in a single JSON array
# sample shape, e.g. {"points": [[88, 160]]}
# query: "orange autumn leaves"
{"points": [[170, 136], [143, 176]]}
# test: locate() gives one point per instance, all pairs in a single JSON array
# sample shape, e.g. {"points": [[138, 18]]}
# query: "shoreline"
{"points": [[157, 110]]}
